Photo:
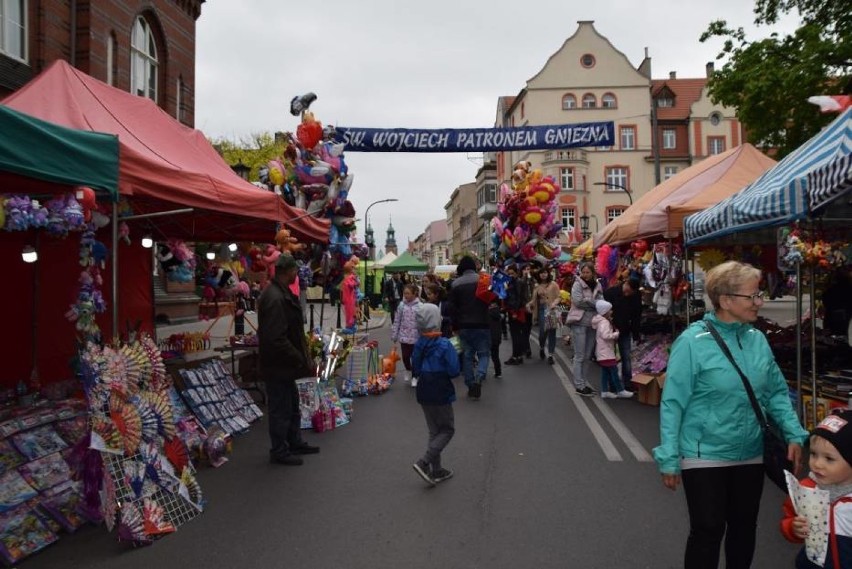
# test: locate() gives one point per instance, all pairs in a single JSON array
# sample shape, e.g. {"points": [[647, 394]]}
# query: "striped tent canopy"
{"points": [[817, 173]]}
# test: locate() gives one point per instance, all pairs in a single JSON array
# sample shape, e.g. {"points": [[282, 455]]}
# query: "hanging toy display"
{"points": [[525, 228]]}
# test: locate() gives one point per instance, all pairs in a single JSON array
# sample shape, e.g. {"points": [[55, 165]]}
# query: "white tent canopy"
{"points": [[386, 260]]}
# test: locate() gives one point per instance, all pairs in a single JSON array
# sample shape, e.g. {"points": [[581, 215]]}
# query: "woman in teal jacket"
{"points": [[709, 435]]}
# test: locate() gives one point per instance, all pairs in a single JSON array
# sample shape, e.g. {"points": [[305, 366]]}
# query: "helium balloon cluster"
{"points": [[525, 228]]}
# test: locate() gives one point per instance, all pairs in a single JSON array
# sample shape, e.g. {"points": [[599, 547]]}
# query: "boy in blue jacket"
{"points": [[435, 362]]}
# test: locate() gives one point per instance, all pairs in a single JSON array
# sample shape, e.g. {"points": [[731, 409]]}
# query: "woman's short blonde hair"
{"points": [[727, 278]]}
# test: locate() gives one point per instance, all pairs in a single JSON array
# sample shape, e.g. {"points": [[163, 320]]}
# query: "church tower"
{"points": [[390, 242]]}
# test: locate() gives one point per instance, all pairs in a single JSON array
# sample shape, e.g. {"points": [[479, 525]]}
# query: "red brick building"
{"points": [[146, 47]]}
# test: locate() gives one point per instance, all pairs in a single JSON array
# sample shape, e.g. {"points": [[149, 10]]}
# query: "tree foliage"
{"points": [[254, 151], [768, 81]]}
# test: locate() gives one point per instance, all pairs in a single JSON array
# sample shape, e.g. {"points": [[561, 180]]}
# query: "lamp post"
{"points": [[584, 226], [619, 186], [369, 246]]}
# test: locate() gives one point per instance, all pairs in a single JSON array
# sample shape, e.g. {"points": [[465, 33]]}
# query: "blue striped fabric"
{"points": [[814, 174]]}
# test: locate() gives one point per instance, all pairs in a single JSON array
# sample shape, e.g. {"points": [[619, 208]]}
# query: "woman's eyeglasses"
{"points": [[761, 296]]}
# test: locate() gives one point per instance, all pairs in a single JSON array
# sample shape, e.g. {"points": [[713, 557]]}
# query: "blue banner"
{"points": [[476, 139]]}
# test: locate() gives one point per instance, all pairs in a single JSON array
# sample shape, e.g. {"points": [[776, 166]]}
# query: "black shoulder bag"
{"points": [[774, 448]]}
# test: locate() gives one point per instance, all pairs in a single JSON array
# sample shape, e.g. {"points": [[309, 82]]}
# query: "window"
{"points": [[669, 171], [665, 101], [715, 119], [617, 179], [492, 193], [569, 218], [587, 60], [715, 145], [143, 60], [669, 138], [589, 101], [566, 178], [628, 138], [614, 212], [13, 28], [569, 102], [608, 101]]}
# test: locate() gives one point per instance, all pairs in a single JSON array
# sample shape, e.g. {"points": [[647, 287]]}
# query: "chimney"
{"points": [[672, 74], [710, 68]]}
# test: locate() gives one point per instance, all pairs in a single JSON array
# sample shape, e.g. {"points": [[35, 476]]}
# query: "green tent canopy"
{"points": [[406, 263], [41, 150]]}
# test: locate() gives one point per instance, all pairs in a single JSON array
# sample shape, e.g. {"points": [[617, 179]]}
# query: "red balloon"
{"points": [[87, 198]]}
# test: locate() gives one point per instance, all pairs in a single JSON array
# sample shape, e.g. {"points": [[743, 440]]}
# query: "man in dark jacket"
{"points": [[393, 294], [284, 358], [517, 297], [626, 317], [470, 320]]}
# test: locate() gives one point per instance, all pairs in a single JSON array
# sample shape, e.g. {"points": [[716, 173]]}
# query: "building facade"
{"points": [[146, 47], [462, 222], [661, 127], [390, 240]]}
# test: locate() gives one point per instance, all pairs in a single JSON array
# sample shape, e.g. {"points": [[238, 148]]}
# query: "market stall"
{"points": [[811, 185]]}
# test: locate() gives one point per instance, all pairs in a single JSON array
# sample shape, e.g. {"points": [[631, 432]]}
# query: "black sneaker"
{"points": [[286, 459], [528, 355], [498, 374], [513, 362], [304, 448], [441, 475], [474, 391], [422, 469], [541, 354], [550, 360], [586, 392]]}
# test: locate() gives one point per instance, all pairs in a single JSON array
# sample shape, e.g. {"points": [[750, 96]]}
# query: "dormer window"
{"points": [[665, 101]]}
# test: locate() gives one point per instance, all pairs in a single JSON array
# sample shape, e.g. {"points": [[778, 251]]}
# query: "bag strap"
{"points": [[761, 418]]}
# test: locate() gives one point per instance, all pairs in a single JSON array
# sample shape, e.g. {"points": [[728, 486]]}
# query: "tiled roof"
{"points": [[686, 92]]}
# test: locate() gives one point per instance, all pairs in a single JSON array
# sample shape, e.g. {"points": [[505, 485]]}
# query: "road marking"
{"points": [[626, 435], [604, 441]]}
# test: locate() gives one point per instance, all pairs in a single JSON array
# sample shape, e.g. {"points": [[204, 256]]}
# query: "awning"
{"points": [[812, 176], [41, 150]]}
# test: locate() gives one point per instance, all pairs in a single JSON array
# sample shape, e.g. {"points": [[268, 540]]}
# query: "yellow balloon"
{"points": [[276, 176]]}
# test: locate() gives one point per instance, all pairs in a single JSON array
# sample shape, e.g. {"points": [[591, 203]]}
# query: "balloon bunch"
{"points": [[525, 228]]}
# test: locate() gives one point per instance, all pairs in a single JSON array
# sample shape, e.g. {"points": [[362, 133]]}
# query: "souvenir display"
{"points": [[14, 490], [9, 457], [64, 507], [216, 399], [38, 442], [46, 472], [22, 533]]}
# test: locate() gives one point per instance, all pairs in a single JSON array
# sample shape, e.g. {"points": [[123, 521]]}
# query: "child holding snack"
{"points": [[831, 470]]}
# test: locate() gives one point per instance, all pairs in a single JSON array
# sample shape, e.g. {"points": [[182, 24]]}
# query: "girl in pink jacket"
{"points": [[404, 328], [605, 337]]}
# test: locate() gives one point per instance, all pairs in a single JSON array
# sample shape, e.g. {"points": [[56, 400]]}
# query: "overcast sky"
{"points": [[405, 64]]}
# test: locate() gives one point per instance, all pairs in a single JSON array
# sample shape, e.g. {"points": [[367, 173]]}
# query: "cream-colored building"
{"points": [[589, 80], [462, 222]]}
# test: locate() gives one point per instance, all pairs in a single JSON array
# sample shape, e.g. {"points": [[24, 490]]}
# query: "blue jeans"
{"points": [[624, 347], [475, 341], [546, 338], [609, 379]]}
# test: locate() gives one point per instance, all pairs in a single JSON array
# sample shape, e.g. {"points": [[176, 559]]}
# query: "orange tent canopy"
{"points": [[661, 211]]}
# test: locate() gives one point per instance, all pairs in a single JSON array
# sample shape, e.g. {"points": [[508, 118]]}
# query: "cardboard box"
{"points": [[649, 387]]}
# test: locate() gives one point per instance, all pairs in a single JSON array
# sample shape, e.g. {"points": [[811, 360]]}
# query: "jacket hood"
{"points": [[416, 300], [428, 318], [596, 320]]}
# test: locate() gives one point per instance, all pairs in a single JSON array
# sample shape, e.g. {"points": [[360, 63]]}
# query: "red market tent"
{"points": [[164, 164]]}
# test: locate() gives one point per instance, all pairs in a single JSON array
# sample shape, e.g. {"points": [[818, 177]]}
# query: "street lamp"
{"points": [[619, 186], [584, 226], [366, 225]]}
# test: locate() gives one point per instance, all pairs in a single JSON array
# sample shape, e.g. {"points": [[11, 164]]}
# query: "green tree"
{"points": [[769, 81], [254, 150]]}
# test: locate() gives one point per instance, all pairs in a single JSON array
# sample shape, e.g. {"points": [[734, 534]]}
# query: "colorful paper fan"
{"points": [[128, 422], [134, 475], [107, 431], [177, 453], [109, 501], [159, 380], [132, 525], [190, 489], [149, 421], [153, 516], [162, 407]]}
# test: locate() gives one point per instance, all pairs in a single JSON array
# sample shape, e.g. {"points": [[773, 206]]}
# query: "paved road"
{"points": [[543, 479]]}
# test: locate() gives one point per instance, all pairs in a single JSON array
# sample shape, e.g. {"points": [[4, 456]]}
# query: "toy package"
{"points": [[14, 490], [46, 472], [38, 442], [23, 533], [9, 457]]}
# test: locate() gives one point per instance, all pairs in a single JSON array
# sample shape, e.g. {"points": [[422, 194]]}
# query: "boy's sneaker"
{"points": [[550, 360], [406, 377], [414, 381], [422, 469], [586, 392], [474, 391], [624, 394], [608, 395], [441, 475]]}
